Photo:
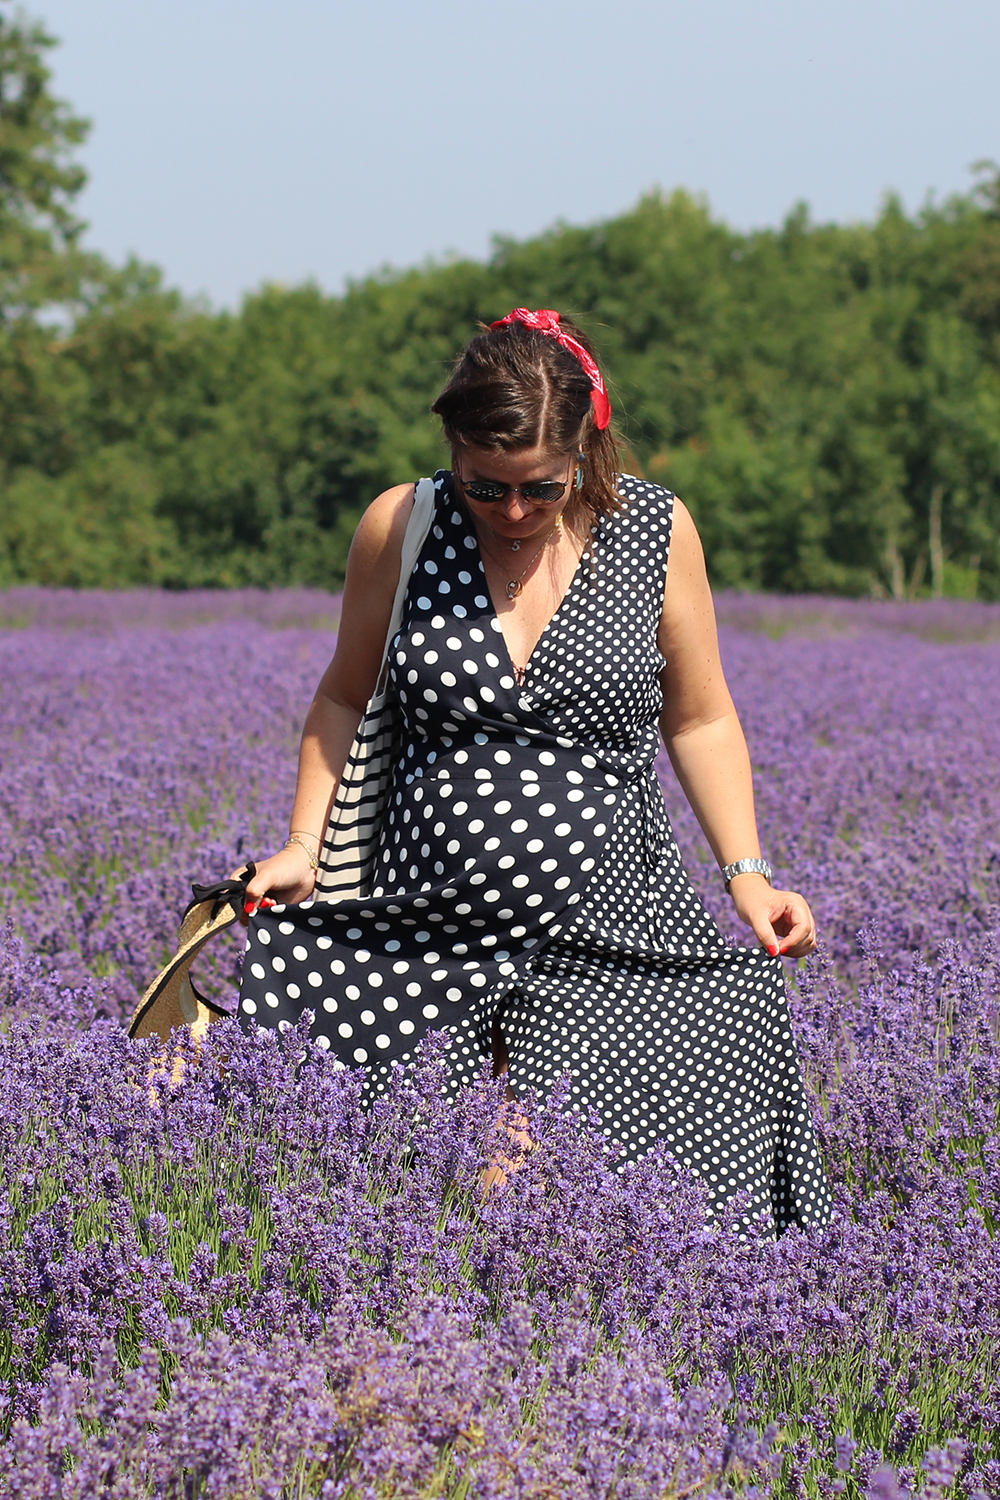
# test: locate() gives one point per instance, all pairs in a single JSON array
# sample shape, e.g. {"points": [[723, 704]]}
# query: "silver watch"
{"points": [[746, 867]]}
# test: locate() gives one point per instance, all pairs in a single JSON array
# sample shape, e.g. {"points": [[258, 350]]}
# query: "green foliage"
{"points": [[39, 262], [826, 398]]}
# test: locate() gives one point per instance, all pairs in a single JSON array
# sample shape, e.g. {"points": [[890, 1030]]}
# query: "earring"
{"points": [[578, 481]]}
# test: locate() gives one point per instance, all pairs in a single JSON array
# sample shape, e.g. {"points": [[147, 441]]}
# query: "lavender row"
{"points": [[582, 1329], [246, 1286], [136, 761], [818, 616], [875, 764], [162, 609], [801, 615]]}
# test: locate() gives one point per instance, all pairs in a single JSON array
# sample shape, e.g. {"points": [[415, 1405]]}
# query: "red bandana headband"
{"points": [[547, 321]]}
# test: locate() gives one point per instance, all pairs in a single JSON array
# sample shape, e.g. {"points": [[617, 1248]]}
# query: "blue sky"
{"points": [[236, 141]]}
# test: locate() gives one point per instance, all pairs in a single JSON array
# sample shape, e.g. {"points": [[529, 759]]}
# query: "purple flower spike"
{"points": [[884, 1485], [846, 1448]]}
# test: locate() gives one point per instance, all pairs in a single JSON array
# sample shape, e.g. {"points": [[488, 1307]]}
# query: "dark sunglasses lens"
{"points": [[548, 492], [486, 492]]}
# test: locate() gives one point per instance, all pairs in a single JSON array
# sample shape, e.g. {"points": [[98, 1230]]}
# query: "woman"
{"points": [[529, 897]]}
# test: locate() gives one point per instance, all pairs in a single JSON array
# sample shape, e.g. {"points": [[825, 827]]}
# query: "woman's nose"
{"points": [[515, 506]]}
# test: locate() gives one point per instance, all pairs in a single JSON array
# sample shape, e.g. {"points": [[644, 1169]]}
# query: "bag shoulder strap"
{"points": [[417, 527]]}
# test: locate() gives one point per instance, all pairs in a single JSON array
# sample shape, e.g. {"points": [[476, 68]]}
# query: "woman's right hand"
{"points": [[286, 877]]}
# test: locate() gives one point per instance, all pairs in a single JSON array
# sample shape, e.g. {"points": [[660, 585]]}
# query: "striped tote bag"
{"points": [[347, 859]]}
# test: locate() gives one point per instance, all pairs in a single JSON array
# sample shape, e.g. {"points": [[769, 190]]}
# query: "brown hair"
{"points": [[516, 387]]}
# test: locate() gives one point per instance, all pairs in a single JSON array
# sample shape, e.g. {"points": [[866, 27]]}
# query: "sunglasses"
{"points": [[489, 491], [542, 492]]}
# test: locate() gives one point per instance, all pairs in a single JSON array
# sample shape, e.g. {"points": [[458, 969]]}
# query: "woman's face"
{"points": [[514, 517]]}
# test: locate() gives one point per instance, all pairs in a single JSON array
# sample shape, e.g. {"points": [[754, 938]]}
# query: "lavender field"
{"points": [[247, 1287]]}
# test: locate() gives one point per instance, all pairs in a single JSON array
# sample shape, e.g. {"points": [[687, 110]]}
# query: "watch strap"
{"points": [[746, 867]]}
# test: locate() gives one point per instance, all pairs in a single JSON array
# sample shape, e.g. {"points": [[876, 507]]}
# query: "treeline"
{"points": [[826, 398]]}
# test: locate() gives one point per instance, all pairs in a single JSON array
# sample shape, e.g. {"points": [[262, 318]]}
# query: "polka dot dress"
{"points": [[527, 873]]}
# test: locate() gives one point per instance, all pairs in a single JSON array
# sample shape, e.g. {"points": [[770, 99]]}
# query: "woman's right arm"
{"points": [[346, 686]]}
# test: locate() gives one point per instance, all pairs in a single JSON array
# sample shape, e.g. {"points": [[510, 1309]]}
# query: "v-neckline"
{"points": [[521, 682]]}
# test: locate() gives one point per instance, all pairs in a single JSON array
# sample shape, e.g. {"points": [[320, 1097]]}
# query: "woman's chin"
{"points": [[520, 531]]}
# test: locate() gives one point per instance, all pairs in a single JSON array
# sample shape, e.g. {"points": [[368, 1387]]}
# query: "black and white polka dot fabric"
{"points": [[527, 873]]}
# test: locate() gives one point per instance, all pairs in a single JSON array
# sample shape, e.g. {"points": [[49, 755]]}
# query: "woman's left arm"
{"points": [[705, 742]]}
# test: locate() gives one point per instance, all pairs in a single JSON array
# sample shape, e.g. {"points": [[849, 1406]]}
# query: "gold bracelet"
{"points": [[293, 838], [295, 833]]}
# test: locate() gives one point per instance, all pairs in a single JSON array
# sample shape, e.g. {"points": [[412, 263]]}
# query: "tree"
{"points": [[826, 398], [39, 232]]}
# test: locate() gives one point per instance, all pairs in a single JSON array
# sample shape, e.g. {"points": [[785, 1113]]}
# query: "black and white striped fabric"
{"points": [[527, 874]]}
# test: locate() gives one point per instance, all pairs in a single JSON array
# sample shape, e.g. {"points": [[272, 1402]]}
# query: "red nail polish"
{"points": [[772, 948], [248, 907]]}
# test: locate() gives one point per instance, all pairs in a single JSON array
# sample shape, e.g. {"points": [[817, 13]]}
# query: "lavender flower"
{"points": [[248, 1285]]}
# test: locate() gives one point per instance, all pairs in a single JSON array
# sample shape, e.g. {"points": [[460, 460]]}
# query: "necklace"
{"points": [[515, 585]]}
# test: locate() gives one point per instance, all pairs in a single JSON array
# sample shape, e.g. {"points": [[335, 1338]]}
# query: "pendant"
{"points": [[515, 546], [514, 588]]}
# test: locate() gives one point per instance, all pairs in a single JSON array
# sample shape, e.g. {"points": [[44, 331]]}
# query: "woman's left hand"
{"points": [[781, 919]]}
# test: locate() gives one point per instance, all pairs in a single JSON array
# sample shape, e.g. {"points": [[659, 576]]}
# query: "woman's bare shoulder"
{"points": [[687, 556], [688, 618], [683, 530], [369, 588], [382, 527]]}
